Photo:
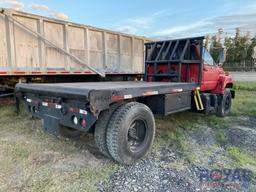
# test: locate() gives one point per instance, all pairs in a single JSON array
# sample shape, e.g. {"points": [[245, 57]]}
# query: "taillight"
{"points": [[83, 122]]}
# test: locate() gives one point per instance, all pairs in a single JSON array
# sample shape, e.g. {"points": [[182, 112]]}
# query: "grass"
{"points": [[245, 85], [241, 158], [39, 162], [221, 137], [245, 99]]}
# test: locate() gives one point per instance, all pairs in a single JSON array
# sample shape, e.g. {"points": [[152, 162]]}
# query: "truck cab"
{"points": [[214, 78]]}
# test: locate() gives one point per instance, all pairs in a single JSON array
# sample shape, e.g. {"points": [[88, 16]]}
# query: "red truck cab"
{"points": [[214, 78]]}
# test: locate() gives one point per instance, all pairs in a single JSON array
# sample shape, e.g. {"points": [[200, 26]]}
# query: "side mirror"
{"points": [[220, 64], [222, 57]]}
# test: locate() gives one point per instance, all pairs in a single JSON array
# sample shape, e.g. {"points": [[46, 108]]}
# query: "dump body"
{"points": [[26, 47]]}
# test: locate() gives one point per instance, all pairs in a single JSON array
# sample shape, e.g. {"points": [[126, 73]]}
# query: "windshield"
{"points": [[208, 58]]}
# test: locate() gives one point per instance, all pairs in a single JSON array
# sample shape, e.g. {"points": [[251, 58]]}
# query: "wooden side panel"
{"points": [[96, 49], [26, 45], [112, 50], [3, 45], [126, 55], [76, 45], [55, 33], [138, 50]]}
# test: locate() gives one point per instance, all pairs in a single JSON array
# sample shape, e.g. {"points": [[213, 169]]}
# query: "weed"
{"points": [[241, 158], [221, 138]]}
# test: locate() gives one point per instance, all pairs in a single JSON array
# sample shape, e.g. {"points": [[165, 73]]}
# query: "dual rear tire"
{"points": [[125, 133]]}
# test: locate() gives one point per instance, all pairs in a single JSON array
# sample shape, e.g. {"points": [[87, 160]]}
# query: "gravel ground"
{"points": [[170, 170]]}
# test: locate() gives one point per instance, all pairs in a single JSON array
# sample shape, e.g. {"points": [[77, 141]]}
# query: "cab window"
{"points": [[208, 58]]}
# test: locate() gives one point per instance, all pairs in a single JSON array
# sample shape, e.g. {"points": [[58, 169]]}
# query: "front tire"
{"points": [[130, 132], [224, 107]]}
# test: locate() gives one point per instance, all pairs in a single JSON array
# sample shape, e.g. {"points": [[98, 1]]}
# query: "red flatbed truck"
{"points": [[179, 75]]}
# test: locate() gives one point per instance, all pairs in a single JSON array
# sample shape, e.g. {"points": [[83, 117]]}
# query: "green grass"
{"points": [[40, 162], [245, 102], [240, 157], [221, 137], [245, 85]]}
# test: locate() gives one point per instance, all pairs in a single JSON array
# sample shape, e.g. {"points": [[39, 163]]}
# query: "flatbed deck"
{"points": [[131, 88]]}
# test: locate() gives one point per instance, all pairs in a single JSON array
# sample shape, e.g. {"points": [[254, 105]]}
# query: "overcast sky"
{"points": [[162, 18]]}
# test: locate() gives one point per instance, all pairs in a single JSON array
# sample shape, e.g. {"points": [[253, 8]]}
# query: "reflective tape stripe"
{"points": [[177, 90], [148, 93], [84, 112], [58, 106], [45, 104], [117, 97], [127, 96]]}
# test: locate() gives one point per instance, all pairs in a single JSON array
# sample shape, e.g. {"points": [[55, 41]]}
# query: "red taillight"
{"points": [[83, 122]]}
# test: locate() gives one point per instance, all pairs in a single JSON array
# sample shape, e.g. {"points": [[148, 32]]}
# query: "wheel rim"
{"points": [[227, 103], [136, 135]]}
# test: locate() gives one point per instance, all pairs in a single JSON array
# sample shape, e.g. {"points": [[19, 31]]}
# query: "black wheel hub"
{"points": [[227, 103], [136, 135]]}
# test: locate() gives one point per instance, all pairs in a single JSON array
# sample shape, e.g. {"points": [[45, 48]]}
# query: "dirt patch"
{"points": [[242, 137], [42, 158], [77, 161]]}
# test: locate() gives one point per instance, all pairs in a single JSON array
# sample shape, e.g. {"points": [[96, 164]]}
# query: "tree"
{"points": [[215, 48], [239, 49]]}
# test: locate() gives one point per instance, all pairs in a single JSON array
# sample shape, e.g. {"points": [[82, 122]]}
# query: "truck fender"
{"points": [[225, 81]]}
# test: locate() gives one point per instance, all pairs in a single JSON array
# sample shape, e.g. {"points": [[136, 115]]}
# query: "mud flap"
{"points": [[51, 125]]}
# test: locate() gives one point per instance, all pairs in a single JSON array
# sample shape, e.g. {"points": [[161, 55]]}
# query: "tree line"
{"points": [[240, 50]]}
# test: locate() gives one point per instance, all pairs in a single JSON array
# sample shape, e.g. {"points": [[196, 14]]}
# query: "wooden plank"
{"points": [[41, 46], [66, 47], [10, 44], [104, 44], [87, 46], [119, 52], [132, 55]]}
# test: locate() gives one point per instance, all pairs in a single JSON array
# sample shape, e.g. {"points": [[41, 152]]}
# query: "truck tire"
{"points": [[101, 129], [70, 132], [130, 132], [225, 102]]}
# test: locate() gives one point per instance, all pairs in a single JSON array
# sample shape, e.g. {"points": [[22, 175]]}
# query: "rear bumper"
{"points": [[56, 113]]}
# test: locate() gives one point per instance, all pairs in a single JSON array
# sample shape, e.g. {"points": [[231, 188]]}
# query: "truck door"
{"points": [[210, 72]]}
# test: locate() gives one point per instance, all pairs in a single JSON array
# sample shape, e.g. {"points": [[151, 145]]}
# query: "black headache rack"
{"points": [[173, 52]]}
